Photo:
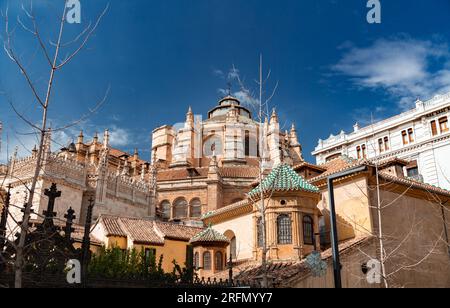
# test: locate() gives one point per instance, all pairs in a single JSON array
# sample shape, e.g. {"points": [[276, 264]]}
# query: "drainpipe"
{"points": [[333, 222]]}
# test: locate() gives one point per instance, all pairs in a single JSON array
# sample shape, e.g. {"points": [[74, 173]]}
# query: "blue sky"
{"points": [[160, 56]]}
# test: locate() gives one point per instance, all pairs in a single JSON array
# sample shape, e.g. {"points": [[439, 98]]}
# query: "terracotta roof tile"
{"points": [[239, 172], [413, 183], [284, 272], [181, 174], [141, 231], [146, 231], [112, 226], [174, 231]]}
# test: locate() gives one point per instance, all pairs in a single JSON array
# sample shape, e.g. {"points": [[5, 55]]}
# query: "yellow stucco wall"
{"points": [[352, 208], [172, 250]]}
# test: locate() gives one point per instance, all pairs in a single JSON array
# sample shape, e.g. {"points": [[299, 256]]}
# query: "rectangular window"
{"points": [[247, 143], [443, 124], [411, 135], [434, 131], [358, 152], [386, 143], [404, 137], [150, 253], [380, 145], [413, 172], [364, 154]]}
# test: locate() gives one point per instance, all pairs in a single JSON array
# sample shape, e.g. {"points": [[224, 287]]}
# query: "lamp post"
{"points": [[333, 222]]}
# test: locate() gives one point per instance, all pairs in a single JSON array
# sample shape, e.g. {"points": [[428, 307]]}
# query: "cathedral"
{"points": [[203, 188], [203, 166]]}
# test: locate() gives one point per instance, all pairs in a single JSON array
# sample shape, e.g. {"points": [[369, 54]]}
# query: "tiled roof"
{"points": [[337, 165], [228, 208], [344, 163], [285, 272], [413, 183], [112, 226], [209, 235], [202, 172], [174, 231], [283, 178], [118, 153], [181, 174], [312, 166], [239, 172], [141, 231], [146, 231]]}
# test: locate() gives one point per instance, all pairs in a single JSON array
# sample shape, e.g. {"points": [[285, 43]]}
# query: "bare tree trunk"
{"points": [[27, 212], [261, 171], [380, 232]]}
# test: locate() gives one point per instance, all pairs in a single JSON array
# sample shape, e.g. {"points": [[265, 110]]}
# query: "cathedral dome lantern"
{"points": [[225, 105]]}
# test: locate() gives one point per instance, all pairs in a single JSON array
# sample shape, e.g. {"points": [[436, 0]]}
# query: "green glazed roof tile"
{"points": [[283, 178]]}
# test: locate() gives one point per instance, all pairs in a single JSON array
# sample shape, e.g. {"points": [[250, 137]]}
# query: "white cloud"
{"points": [[120, 137], [403, 67]]}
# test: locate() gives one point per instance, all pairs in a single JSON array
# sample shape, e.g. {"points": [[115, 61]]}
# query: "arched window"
{"points": [[164, 209], [247, 143], [196, 260], [308, 231], [207, 260], [196, 208], [180, 207], [284, 229], [233, 248], [259, 230], [219, 261]]}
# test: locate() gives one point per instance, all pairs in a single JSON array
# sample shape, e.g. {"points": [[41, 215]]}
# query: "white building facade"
{"points": [[420, 136]]}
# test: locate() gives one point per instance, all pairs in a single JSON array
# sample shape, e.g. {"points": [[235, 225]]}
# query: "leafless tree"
{"points": [[392, 253], [259, 102], [51, 53]]}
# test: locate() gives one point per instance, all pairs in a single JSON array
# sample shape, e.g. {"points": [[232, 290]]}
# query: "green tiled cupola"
{"points": [[283, 178]]}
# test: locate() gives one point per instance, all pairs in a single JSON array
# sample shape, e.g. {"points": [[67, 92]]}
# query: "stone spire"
{"points": [[143, 171], [136, 154], [95, 138], [295, 146], [190, 117], [80, 137], [106, 139], [293, 138], [274, 117]]}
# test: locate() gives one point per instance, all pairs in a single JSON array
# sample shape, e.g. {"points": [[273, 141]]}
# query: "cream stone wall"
{"points": [[242, 227]]}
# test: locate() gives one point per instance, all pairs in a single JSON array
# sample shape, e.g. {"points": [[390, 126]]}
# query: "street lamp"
{"points": [[333, 222]]}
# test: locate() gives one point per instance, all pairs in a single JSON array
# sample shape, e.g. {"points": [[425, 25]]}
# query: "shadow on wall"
{"points": [[345, 228]]}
